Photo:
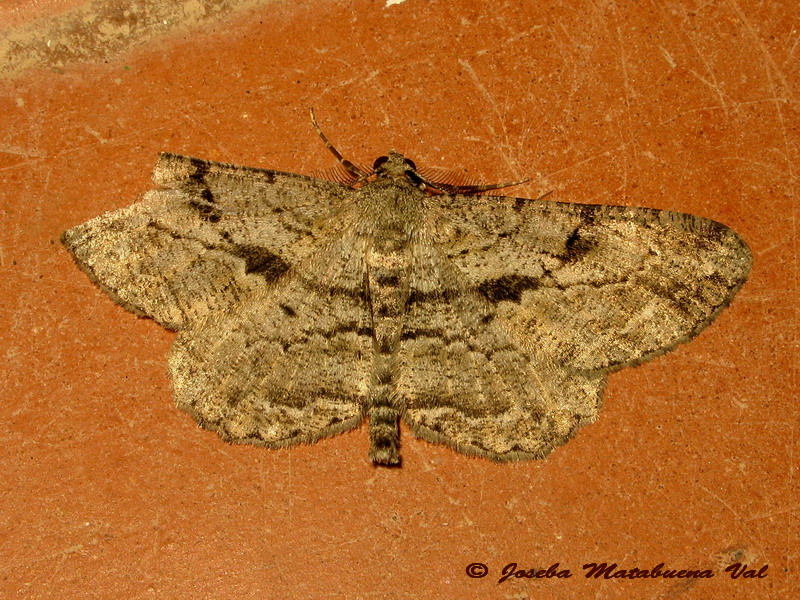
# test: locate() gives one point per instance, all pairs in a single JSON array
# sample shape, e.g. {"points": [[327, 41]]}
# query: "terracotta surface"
{"points": [[108, 491]]}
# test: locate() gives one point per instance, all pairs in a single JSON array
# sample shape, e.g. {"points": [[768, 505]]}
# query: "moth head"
{"points": [[432, 181], [396, 166]]}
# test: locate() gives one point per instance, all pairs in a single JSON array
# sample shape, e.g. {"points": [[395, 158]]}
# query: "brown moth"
{"points": [[487, 323]]}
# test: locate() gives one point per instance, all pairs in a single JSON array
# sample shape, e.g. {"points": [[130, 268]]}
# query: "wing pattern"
{"points": [[487, 323]]}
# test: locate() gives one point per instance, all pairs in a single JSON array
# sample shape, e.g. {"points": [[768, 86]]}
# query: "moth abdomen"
{"points": [[384, 416]]}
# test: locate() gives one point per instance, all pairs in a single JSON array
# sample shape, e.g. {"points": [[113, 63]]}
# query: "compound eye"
{"points": [[411, 164], [379, 162], [413, 177]]}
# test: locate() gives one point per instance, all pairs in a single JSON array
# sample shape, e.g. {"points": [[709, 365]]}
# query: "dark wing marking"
{"points": [[210, 236], [288, 364], [594, 287], [466, 381]]}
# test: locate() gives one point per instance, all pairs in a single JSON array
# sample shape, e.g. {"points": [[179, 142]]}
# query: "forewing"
{"points": [[466, 381], [288, 364], [594, 287], [212, 235]]}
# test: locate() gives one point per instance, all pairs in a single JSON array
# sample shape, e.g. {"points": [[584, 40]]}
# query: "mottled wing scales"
{"points": [[595, 287], [136, 257], [291, 364], [510, 315], [469, 383], [267, 354], [213, 235]]}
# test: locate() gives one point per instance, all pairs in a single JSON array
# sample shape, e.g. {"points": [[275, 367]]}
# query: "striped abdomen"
{"points": [[388, 264]]}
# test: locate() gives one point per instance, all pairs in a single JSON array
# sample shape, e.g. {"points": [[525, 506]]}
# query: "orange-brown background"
{"points": [[108, 491]]}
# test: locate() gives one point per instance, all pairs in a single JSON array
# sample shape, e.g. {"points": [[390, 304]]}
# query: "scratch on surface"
{"points": [[20, 151], [668, 57], [69, 550], [484, 92], [700, 109], [491, 101], [628, 132], [623, 60], [290, 495], [347, 82], [790, 54], [790, 532], [96, 134], [713, 83], [733, 511], [769, 68], [135, 134], [619, 147], [760, 166], [198, 124], [714, 86], [521, 35], [156, 536]]}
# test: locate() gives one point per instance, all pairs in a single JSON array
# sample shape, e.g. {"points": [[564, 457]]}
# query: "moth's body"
{"points": [[486, 323], [390, 218]]}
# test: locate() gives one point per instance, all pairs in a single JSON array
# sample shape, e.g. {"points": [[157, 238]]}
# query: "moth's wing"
{"points": [[466, 381], [594, 288], [212, 234], [287, 364]]}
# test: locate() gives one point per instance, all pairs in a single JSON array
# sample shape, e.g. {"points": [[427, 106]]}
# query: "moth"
{"points": [[489, 324]]}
